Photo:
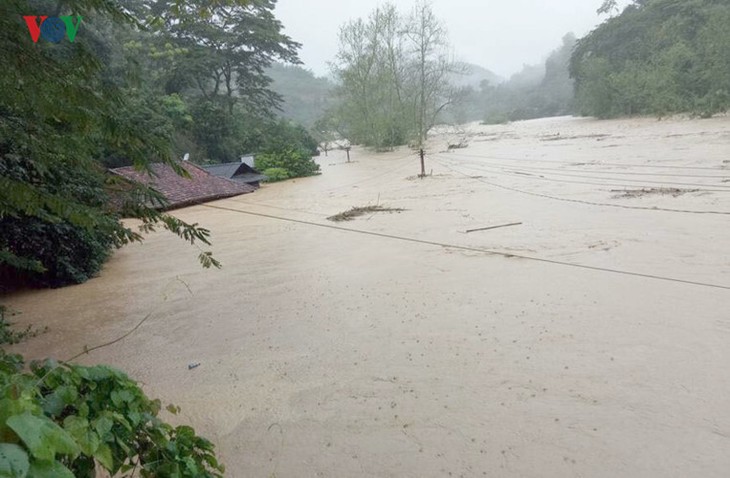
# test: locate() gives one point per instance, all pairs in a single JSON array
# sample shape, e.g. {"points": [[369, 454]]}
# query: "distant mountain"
{"points": [[306, 96], [474, 75]]}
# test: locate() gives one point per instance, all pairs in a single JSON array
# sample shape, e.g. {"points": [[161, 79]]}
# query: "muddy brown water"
{"points": [[326, 352]]}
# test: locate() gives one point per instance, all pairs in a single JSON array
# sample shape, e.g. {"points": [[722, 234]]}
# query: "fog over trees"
{"points": [[146, 83], [652, 57], [392, 74]]}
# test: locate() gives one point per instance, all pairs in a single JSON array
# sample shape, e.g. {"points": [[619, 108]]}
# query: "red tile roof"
{"points": [[201, 186]]}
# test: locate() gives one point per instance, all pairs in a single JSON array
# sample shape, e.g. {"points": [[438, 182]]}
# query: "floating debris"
{"points": [[361, 211]]}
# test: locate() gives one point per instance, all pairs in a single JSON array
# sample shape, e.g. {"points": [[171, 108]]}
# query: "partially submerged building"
{"points": [[180, 191]]}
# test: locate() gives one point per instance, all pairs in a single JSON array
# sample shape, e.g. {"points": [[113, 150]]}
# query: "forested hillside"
{"points": [[305, 97], [657, 57]]}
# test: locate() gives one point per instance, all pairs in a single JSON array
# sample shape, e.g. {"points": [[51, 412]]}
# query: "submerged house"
{"points": [[241, 172], [180, 191]]}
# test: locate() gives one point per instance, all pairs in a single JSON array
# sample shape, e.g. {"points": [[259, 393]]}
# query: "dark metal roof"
{"points": [[225, 170], [250, 178], [239, 172]]}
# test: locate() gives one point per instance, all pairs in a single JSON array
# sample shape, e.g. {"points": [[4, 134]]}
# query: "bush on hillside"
{"points": [[276, 174], [296, 163], [656, 58]]}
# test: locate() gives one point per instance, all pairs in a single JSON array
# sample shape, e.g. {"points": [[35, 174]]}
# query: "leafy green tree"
{"points": [[432, 67], [373, 106], [394, 77], [63, 108], [230, 48], [58, 115], [276, 174], [284, 164], [217, 64], [656, 57]]}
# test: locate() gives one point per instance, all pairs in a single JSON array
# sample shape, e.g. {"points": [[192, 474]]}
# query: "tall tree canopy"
{"points": [[230, 49], [656, 57], [142, 82], [393, 72]]}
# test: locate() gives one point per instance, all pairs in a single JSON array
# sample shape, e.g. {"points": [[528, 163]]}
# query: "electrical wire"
{"points": [[540, 177], [379, 175], [633, 165], [302, 211], [618, 173], [579, 201], [474, 249]]}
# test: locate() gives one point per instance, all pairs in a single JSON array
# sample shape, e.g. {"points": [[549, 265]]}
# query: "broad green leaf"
{"points": [[10, 407], [80, 430], [121, 396], [100, 372], [42, 436], [103, 455], [13, 461], [190, 466], [121, 420], [59, 399], [49, 469], [103, 425]]}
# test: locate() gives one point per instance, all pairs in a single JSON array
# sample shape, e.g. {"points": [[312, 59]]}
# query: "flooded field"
{"points": [[411, 351]]}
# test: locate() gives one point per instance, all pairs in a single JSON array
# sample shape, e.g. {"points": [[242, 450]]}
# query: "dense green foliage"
{"points": [[72, 421], [291, 163], [283, 135], [121, 93], [276, 174], [144, 81], [657, 57], [60, 113], [217, 68], [67, 253]]}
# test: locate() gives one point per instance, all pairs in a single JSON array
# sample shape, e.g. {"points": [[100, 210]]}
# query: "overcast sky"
{"points": [[500, 35]]}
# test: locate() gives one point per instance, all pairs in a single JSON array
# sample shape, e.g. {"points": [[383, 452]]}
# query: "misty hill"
{"points": [[474, 75], [306, 96], [536, 91]]}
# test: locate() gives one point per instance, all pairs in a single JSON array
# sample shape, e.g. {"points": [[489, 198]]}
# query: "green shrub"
{"points": [[71, 421], [63, 253], [284, 134], [68, 254], [276, 174], [296, 163]]}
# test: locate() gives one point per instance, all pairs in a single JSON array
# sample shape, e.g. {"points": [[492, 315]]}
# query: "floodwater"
{"points": [[332, 353]]}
